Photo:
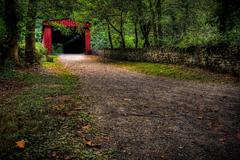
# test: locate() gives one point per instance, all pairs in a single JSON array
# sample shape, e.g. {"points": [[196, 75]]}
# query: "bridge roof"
{"points": [[66, 22]]}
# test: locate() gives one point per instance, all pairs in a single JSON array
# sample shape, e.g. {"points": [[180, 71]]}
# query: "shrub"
{"points": [[49, 59], [2, 29], [40, 51], [57, 48]]}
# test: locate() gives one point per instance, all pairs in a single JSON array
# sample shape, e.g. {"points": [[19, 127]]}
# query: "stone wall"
{"points": [[219, 59]]}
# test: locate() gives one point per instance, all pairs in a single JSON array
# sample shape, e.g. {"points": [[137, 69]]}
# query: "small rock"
{"points": [[127, 99], [200, 117], [67, 158], [180, 147]]}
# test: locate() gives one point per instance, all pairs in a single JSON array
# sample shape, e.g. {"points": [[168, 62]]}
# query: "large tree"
{"points": [[30, 50], [11, 20]]}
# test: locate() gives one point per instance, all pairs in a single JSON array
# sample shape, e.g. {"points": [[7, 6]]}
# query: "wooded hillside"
{"points": [[120, 24]]}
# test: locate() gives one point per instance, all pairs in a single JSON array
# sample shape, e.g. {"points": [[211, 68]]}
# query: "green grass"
{"points": [[42, 112], [173, 71]]}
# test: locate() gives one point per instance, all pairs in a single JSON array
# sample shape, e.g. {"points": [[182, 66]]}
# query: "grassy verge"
{"points": [[173, 71], [45, 113]]}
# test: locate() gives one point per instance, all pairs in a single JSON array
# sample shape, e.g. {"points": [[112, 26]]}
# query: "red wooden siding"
{"points": [[47, 38], [87, 41], [47, 33]]}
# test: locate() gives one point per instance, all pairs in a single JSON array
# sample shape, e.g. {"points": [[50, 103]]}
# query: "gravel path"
{"points": [[151, 117]]}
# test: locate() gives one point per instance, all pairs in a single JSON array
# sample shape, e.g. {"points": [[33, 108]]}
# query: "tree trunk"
{"points": [[30, 49], [196, 56], [123, 40], [146, 43], [158, 20], [145, 29], [122, 31], [136, 35], [174, 26], [154, 23], [11, 20], [186, 17], [228, 14], [14, 51], [3, 54], [110, 36]]}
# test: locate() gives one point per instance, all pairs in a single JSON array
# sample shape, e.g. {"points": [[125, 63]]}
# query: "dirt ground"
{"points": [[149, 117]]}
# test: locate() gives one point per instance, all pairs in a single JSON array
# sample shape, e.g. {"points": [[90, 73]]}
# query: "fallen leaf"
{"points": [[59, 107], [86, 127], [103, 138], [64, 98], [65, 126], [147, 120], [20, 144], [67, 158], [238, 136], [79, 132], [78, 108], [222, 140], [88, 142], [48, 98], [54, 154]]}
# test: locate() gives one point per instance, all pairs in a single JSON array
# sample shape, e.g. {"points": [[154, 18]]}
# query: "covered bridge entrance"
{"points": [[74, 42]]}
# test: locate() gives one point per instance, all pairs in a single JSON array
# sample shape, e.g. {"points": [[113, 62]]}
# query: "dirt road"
{"points": [[151, 117]]}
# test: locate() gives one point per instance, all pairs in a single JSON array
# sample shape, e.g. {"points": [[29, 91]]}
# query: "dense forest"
{"points": [[119, 24]]}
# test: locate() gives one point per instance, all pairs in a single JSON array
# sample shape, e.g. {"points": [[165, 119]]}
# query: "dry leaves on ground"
{"points": [[21, 144]]}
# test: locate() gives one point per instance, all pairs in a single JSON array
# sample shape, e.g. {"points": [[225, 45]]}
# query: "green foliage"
{"points": [[57, 48], [40, 50], [99, 38], [182, 23], [86, 118], [201, 37], [233, 36], [9, 64], [171, 23], [31, 112], [64, 30], [2, 29], [38, 31]]}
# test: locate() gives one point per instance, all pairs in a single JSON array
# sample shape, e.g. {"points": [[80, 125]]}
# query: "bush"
{"points": [[57, 48], [49, 59], [2, 29], [40, 51]]}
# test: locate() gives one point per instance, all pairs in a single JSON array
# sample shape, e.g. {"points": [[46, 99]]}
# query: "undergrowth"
{"points": [[46, 114]]}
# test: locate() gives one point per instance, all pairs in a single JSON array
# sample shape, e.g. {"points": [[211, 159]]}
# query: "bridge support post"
{"points": [[87, 40], [47, 38]]}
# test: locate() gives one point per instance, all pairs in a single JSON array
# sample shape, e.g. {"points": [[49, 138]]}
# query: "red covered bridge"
{"points": [[73, 43]]}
